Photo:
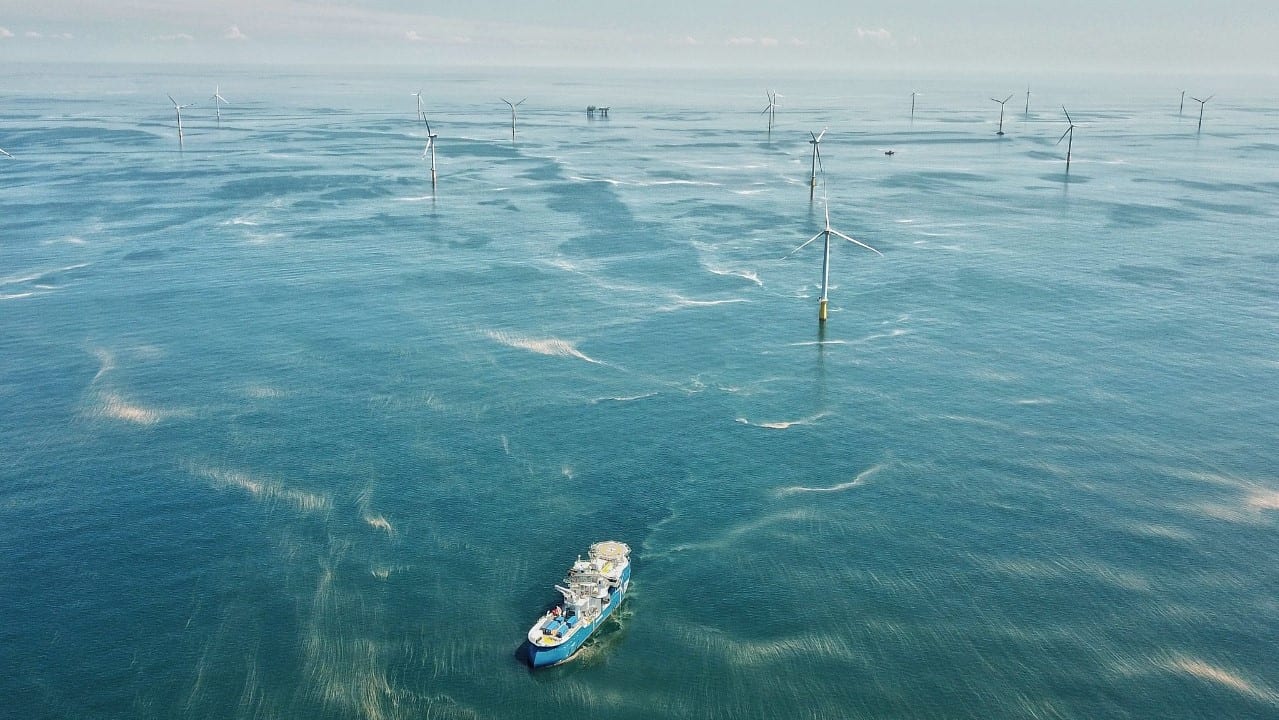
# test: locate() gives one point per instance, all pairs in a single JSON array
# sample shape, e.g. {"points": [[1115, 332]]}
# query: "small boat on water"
{"points": [[592, 591]]}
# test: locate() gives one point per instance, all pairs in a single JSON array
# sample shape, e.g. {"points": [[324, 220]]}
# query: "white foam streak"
{"points": [[1197, 668], [264, 490], [553, 347], [113, 406], [750, 275], [683, 302], [855, 482], [623, 398], [784, 424]]}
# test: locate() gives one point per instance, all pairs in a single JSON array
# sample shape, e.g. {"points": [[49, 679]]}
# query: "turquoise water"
{"points": [[288, 434]]}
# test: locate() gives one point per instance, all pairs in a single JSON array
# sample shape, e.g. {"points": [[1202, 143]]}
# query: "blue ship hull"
{"points": [[546, 656]]}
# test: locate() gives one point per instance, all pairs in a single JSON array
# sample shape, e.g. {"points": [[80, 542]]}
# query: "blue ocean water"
{"points": [[288, 433]]}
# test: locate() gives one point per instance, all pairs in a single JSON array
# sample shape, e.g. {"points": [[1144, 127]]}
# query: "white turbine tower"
{"points": [[178, 109], [816, 142], [1070, 133], [1201, 109], [421, 115], [1027, 111], [513, 106], [913, 95], [770, 109], [1001, 111], [430, 148], [217, 101], [826, 233]]}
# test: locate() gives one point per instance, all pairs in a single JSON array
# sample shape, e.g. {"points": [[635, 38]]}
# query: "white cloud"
{"points": [[5, 33], [32, 34], [175, 37], [233, 33], [880, 34], [412, 36], [768, 42], [741, 41]]}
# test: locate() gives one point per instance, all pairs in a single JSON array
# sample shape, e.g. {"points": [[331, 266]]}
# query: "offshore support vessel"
{"points": [[591, 592]]}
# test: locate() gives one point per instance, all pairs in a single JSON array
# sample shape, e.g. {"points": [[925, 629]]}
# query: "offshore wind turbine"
{"points": [[421, 115], [1001, 112], [178, 109], [1181, 106], [913, 95], [770, 110], [1070, 133], [1027, 111], [217, 100], [1201, 109], [816, 142], [430, 148], [826, 233], [513, 106]]}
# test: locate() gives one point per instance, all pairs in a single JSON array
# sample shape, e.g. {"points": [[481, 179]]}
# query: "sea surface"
{"points": [[285, 432]]}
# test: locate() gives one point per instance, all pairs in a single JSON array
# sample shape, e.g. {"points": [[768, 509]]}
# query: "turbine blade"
{"points": [[1010, 97], [818, 150], [521, 102], [1063, 135], [1063, 109], [819, 137], [805, 244], [175, 102], [856, 242], [428, 127]]}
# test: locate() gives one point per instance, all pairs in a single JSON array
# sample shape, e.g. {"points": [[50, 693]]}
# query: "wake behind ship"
{"points": [[592, 591]]}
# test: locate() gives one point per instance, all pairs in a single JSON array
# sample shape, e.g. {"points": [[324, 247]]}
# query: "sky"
{"points": [[1151, 36]]}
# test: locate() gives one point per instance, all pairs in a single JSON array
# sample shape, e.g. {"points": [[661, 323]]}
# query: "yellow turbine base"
{"points": [[821, 312]]}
